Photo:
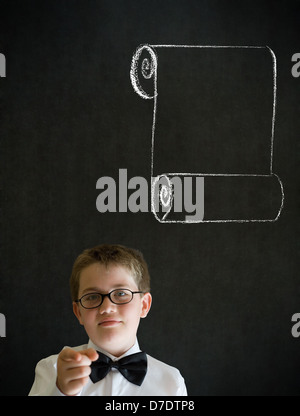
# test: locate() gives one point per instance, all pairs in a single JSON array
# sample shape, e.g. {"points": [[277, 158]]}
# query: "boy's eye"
{"points": [[91, 300], [120, 293], [121, 296], [93, 297]]}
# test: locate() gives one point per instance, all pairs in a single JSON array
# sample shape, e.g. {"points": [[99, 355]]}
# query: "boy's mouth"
{"points": [[109, 322]]}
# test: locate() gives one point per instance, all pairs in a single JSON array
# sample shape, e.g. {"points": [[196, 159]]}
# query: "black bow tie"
{"points": [[133, 367]]}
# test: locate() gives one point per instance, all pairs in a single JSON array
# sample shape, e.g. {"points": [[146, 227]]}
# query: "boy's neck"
{"points": [[133, 349]]}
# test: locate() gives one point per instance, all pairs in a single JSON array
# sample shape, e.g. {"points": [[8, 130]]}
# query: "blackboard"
{"points": [[224, 292]]}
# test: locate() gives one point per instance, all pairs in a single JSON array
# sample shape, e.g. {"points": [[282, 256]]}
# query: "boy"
{"points": [[110, 288]]}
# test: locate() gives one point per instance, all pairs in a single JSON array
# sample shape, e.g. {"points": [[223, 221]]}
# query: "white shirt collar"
{"points": [[134, 349]]}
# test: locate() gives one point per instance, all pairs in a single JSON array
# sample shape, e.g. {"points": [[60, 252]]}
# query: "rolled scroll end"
{"points": [[143, 72], [161, 197]]}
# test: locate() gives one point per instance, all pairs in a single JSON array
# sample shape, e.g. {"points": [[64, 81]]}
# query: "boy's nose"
{"points": [[107, 306]]}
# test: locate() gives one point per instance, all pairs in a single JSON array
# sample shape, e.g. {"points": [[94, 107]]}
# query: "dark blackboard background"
{"points": [[223, 294]]}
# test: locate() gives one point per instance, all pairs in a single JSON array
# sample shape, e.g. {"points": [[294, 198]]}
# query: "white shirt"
{"points": [[161, 379]]}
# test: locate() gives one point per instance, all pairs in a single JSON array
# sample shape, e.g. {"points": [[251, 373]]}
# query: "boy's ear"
{"points": [[146, 304], [77, 313]]}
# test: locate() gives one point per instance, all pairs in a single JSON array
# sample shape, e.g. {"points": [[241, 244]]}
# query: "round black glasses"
{"points": [[95, 299]]}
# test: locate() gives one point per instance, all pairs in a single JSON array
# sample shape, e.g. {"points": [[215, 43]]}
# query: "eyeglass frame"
{"points": [[103, 295]]}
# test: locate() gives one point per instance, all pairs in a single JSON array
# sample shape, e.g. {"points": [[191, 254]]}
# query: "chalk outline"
{"points": [[139, 90]]}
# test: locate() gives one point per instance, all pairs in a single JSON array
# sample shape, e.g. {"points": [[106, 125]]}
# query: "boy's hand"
{"points": [[73, 369]]}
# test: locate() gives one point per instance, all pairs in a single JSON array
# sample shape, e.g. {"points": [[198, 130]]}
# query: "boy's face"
{"points": [[112, 327]]}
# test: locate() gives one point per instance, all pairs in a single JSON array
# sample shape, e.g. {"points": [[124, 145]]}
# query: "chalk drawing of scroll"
{"points": [[213, 121]]}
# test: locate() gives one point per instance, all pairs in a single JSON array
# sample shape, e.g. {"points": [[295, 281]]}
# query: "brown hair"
{"points": [[106, 254]]}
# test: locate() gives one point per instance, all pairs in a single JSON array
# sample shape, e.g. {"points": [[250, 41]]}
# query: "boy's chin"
{"points": [[111, 340]]}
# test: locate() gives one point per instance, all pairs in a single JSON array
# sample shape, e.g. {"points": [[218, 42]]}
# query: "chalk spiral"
{"points": [[143, 72]]}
